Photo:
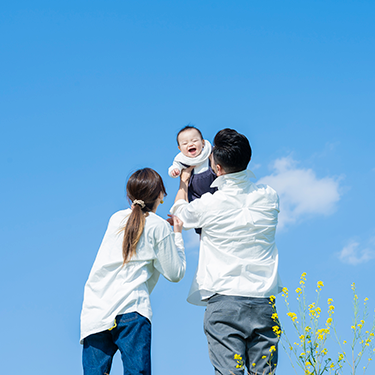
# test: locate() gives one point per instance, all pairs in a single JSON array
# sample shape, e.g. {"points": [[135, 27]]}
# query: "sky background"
{"points": [[90, 91]]}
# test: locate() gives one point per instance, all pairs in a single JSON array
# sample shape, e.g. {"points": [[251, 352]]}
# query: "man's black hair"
{"points": [[231, 150], [188, 127]]}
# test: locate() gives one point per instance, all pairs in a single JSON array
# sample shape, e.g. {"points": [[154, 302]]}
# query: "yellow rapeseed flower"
{"points": [[239, 361], [277, 330], [263, 357], [272, 348], [292, 316]]}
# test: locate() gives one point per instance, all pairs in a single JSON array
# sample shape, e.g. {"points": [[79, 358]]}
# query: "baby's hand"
{"points": [[175, 172]]}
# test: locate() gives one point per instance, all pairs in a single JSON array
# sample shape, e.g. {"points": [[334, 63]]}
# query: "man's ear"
{"points": [[219, 170]]}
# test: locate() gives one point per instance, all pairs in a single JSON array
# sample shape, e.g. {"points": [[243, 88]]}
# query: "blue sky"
{"points": [[92, 90]]}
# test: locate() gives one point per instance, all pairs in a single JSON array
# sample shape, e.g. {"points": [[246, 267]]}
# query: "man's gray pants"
{"points": [[243, 326]]}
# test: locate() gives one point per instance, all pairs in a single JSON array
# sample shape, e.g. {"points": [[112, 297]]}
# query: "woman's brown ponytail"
{"points": [[143, 189]]}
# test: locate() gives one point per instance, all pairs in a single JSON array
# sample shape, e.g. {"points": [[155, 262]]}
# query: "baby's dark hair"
{"points": [[187, 127], [231, 150]]}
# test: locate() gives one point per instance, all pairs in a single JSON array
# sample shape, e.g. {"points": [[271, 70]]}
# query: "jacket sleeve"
{"points": [[170, 257], [189, 213], [175, 165]]}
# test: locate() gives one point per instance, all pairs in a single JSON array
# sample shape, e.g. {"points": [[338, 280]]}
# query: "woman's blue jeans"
{"points": [[132, 336]]}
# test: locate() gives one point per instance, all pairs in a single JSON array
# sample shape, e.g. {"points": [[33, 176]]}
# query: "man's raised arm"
{"points": [[182, 192]]}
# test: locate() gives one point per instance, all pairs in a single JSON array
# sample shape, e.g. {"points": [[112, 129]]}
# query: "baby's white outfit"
{"points": [[201, 161]]}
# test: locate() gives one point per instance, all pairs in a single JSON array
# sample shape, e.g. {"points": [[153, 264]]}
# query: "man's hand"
{"points": [[184, 183], [185, 174]]}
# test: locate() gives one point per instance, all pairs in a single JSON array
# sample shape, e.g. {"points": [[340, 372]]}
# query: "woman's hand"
{"points": [[176, 223]]}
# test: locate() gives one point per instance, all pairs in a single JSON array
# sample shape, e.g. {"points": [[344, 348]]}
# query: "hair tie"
{"points": [[139, 202]]}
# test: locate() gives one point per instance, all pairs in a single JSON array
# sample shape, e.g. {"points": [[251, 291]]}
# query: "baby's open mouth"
{"points": [[192, 150]]}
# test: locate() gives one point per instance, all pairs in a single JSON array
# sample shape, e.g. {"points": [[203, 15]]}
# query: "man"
{"points": [[238, 261]]}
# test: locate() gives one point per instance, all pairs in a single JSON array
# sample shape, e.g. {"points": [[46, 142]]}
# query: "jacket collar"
{"points": [[233, 179]]}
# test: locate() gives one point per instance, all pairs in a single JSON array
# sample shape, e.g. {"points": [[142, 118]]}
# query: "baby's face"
{"points": [[190, 143]]}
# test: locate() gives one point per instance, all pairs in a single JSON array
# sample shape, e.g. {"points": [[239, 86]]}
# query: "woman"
{"points": [[137, 246]]}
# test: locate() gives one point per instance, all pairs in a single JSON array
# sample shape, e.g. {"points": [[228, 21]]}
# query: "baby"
{"points": [[194, 151]]}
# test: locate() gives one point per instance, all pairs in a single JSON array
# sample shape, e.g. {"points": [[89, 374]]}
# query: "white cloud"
{"points": [[354, 254], [301, 192]]}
